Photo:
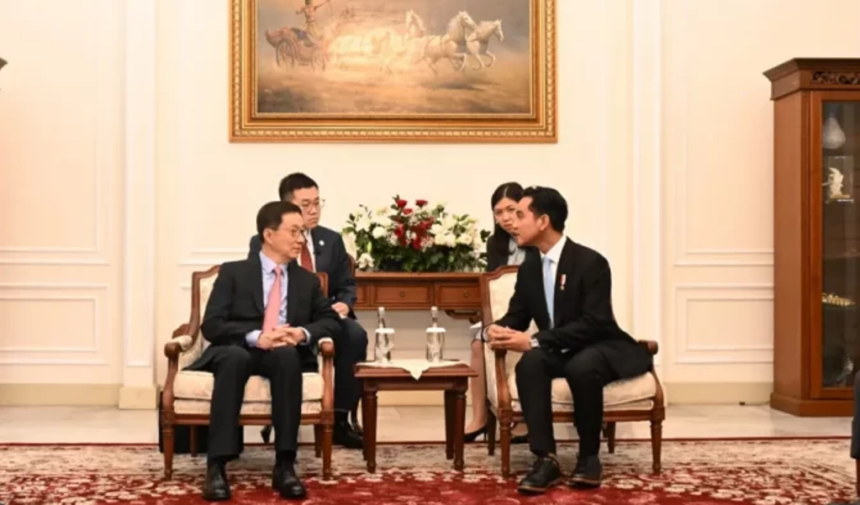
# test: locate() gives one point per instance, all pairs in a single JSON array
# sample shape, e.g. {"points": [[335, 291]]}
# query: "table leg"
{"points": [[369, 419], [459, 424], [449, 424]]}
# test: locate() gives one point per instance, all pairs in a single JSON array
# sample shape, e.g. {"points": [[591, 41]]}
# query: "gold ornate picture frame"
{"points": [[393, 70]]}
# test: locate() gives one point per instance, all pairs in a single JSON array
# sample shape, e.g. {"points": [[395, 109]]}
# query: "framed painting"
{"points": [[393, 70]]}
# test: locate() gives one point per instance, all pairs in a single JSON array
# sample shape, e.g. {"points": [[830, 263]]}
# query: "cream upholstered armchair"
{"points": [[636, 399], [187, 395]]}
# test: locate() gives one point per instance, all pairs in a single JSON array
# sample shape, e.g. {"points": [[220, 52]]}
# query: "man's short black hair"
{"points": [[548, 202], [271, 215], [295, 182]]}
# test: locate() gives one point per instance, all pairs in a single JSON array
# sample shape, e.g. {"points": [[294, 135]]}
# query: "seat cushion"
{"points": [[248, 408], [199, 385], [636, 393]]}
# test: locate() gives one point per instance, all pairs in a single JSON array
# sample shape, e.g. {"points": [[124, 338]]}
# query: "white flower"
{"points": [[437, 230], [381, 220], [383, 211], [464, 239], [478, 242], [365, 261], [427, 243], [446, 240], [362, 223], [392, 239], [449, 222], [349, 243], [379, 232]]}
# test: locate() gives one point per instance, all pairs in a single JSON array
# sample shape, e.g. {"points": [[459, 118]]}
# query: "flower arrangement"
{"points": [[423, 238]]}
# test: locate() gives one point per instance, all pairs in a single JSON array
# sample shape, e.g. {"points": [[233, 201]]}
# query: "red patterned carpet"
{"points": [[762, 472]]}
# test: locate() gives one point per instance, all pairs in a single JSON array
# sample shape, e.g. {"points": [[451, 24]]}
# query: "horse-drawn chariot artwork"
{"points": [[388, 70]]}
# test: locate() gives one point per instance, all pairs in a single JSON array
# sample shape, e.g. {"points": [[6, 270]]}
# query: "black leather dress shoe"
{"points": [[344, 434], [216, 487], [587, 474], [544, 475], [287, 483]]}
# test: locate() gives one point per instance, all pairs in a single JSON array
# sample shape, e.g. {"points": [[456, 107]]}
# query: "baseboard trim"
{"points": [[138, 398], [718, 393], [79, 395]]}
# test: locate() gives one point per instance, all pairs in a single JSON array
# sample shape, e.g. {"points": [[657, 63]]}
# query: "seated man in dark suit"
{"points": [[567, 291], [855, 440], [324, 251], [265, 317]]}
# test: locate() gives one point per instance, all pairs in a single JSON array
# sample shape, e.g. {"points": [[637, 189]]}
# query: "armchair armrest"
{"points": [[652, 347], [326, 346], [174, 348], [504, 393]]}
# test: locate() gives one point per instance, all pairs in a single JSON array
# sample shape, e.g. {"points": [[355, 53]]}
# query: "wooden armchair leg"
{"points": [[505, 432], [656, 443], [609, 432], [318, 436], [327, 434], [168, 442], [491, 432]]}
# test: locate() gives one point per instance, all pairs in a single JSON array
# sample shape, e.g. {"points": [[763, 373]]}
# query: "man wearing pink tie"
{"points": [[265, 317]]}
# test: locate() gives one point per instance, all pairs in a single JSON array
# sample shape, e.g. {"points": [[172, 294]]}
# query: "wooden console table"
{"points": [[458, 294]]}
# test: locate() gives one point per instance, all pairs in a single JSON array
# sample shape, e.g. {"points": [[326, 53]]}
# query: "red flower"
{"points": [[407, 212], [401, 203], [416, 243], [399, 231], [420, 203]]}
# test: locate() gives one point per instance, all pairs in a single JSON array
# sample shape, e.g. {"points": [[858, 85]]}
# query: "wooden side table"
{"points": [[453, 380]]}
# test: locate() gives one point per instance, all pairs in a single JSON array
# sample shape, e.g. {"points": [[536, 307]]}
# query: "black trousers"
{"points": [[232, 366], [586, 372], [350, 348]]}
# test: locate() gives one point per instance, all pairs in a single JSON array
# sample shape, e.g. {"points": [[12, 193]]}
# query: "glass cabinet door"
{"points": [[840, 241]]}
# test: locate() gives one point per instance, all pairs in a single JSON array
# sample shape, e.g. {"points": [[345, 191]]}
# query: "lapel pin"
{"points": [[563, 281], [322, 243]]}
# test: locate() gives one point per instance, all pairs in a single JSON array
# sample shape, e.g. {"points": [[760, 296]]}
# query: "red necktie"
{"points": [[307, 261]]}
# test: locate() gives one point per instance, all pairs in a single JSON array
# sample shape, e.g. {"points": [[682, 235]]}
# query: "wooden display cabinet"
{"points": [[816, 234]]}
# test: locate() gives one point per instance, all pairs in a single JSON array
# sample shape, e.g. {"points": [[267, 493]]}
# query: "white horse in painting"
{"points": [[452, 45], [479, 42], [408, 46]]}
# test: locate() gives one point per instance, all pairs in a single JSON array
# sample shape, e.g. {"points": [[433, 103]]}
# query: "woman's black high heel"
{"points": [[471, 437]]}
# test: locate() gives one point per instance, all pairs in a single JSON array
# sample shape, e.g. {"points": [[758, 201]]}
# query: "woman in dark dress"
{"points": [[502, 250]]}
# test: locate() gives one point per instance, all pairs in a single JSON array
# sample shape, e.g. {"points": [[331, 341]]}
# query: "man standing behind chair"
{"points": [[567, 291], [265, 317], [324, 251]]}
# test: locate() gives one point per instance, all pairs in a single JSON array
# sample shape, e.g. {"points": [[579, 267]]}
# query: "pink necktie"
{"points": [[273, 307]]}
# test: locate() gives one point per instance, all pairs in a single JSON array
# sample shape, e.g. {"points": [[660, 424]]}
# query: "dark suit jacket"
{"points": [[236, 308], [583, 309], [330, 257]]}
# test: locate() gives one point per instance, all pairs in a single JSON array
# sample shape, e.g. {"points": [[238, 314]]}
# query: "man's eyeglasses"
{"points": [[310, 205]]}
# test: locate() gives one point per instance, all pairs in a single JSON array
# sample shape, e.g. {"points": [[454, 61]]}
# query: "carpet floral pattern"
{"points": [[771, 472]]}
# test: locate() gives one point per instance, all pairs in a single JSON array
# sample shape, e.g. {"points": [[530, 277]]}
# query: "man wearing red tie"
{"points": [[265, 317], [324, 251]]}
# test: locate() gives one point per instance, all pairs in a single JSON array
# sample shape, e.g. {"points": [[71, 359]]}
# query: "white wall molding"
{"points": [[139, 266], [687, 353], [99, 36], [91, 355], [647, 180], [686, 256]]}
